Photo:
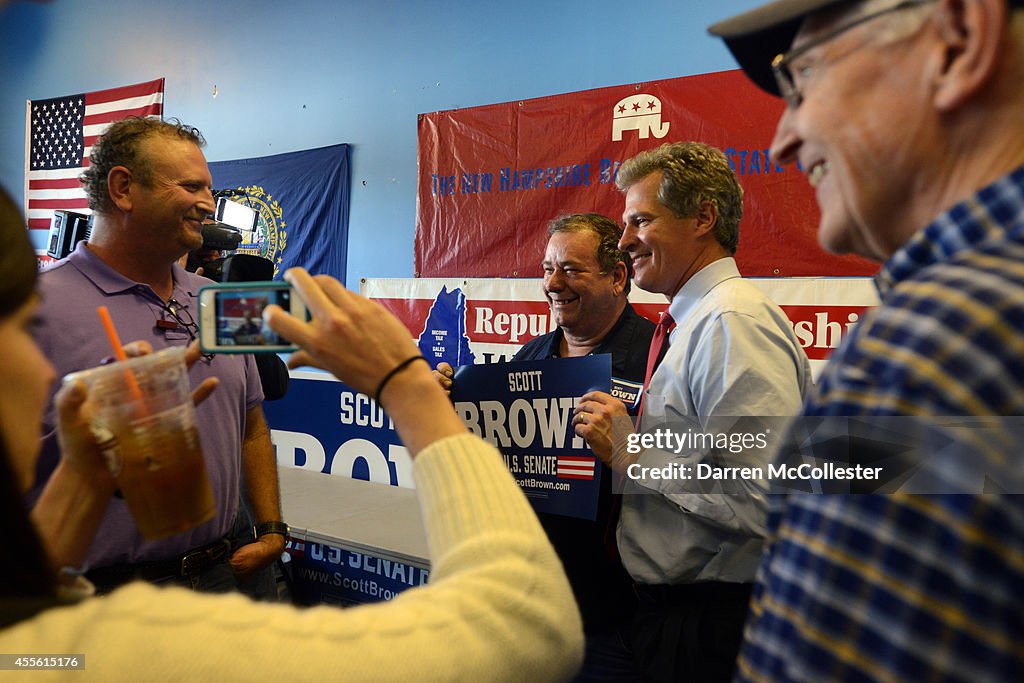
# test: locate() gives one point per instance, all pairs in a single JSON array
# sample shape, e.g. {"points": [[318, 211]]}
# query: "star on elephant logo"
{"points": [[641, 113]]}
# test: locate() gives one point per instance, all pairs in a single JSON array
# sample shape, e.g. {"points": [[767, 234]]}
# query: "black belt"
{"points": [[191, 563]]}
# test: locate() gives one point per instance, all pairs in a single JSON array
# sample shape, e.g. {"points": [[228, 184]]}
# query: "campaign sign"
{"points": [[325, 573], [322, 425], [525, 410]]}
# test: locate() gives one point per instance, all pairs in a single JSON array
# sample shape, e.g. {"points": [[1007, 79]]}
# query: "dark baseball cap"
{"points": [[757, 36]]}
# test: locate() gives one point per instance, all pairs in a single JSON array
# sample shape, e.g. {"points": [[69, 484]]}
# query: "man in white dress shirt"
{"points": [[692, 546]]}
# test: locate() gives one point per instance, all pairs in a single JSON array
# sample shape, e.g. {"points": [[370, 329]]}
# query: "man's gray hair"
{"points": [[693, 173]]}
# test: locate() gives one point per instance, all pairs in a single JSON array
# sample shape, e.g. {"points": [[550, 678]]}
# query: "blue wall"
{"points": [[309, 73]]}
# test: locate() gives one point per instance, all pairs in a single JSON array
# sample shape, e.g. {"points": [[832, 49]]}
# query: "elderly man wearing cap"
{"points": [[908, 120]]}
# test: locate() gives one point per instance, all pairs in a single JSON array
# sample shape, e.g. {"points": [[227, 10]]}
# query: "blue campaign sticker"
{"points": [[627, 392], [525, 409]]}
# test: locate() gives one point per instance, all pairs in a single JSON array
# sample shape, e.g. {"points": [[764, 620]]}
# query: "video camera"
{"points": [[67, 228], [231, 224]]}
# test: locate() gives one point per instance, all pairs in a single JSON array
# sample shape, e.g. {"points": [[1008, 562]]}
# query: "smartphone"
{"points": [[231, 317]]}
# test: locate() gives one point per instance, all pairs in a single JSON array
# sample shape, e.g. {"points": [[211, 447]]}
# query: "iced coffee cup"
{"points": [[143, 417]]}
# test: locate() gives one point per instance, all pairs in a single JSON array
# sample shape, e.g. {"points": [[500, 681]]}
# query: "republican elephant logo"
{"points": [[641, 113]]}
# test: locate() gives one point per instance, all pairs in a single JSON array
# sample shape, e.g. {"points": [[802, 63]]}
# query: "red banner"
{"points": [[490, 178]]}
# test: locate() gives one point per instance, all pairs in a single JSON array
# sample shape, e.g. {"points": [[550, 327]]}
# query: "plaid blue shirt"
{"points": [[911, 587]]}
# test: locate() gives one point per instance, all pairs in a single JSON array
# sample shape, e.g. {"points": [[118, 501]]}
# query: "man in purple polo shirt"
{"points": [[150, 189]]}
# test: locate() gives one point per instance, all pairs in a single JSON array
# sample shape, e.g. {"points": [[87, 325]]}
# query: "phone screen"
{"points": [[240, 317], [238, 216]]}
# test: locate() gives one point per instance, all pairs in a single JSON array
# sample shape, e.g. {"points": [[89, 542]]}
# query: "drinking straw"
{"points": [[115, 341]]}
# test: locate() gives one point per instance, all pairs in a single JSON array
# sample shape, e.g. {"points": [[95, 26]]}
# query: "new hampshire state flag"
{"points": [[303, 201]]}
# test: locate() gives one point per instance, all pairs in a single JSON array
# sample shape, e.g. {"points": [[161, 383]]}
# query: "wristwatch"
{"points": [[264, 528]]}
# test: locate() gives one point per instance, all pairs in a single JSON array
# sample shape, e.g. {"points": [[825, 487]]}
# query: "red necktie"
{"points": [[659, 345]]}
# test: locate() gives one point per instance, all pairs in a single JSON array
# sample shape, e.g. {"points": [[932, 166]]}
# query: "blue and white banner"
{"points": [[322, 425], [302, 199], [326, 573], [525, 410]]}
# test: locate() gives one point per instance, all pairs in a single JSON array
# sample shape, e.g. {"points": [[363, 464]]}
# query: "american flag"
{"points": [[59, 136], [575, 467]]}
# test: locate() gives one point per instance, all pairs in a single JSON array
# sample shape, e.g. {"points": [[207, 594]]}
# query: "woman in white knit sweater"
{"points": [[498, 606]]}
